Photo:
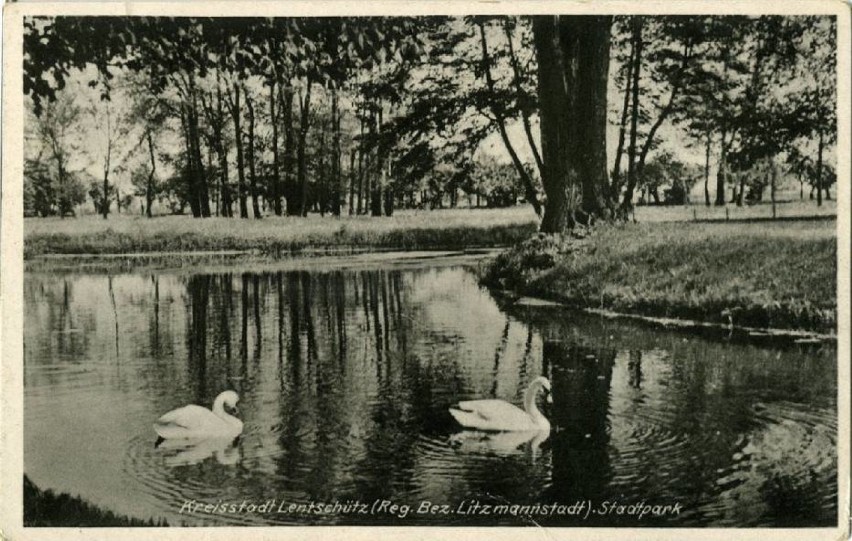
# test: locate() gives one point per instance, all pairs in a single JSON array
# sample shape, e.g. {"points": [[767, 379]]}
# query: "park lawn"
{"points": [[766, 274], [406, 230]]}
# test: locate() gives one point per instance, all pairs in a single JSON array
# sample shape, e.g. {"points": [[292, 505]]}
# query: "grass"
{"points": [[47, 509], [407, 230], [765, 274], [691, 262], [789, 208]]}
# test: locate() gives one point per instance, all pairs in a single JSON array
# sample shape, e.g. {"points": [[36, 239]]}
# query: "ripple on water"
{"points": [[345, 379]]}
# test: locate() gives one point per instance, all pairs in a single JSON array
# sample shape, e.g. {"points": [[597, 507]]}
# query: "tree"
{"points": [[101, 195], [113, 133], [664, 52], [217, 135], [39, 193], [766, 119], [818, 98], [500, 117], [573, 70], [742, 95], [52, 184], [147, 115], [440, 110], [713, 88]]}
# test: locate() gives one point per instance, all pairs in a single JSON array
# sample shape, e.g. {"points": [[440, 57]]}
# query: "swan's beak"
{"points": [[550, 398]]}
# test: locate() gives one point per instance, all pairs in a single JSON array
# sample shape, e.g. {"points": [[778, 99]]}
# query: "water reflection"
{"points": [[185, 452], [345, 378]]}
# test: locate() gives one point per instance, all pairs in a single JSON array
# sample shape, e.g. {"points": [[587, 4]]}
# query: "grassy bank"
{"points": [[442, 229], [447, 229], [767, 274], [45, 508]]}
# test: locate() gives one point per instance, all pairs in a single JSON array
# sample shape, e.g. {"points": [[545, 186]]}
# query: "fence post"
{"points": [[727, 214]]}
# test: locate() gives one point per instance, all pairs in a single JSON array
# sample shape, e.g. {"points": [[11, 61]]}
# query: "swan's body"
{"points": [[499, 415], [194, 421]]}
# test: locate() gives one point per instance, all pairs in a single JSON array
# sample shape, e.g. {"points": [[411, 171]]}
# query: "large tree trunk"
{"points": [[573, 64]]}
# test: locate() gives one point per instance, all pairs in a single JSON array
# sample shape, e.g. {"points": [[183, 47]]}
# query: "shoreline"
{"points": [[758, 275], [48, 509], [279, 236], [732, 276], [224, 262]]}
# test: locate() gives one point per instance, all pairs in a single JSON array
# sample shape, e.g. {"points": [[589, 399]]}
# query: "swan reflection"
{"points": [[189, 451], [500, 443]]}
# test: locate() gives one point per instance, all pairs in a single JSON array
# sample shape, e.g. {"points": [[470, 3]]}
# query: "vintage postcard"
{"points": [[415, 270]]}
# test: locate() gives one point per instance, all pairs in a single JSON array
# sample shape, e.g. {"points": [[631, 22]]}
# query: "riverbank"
{"points": [[779, 274], [406, 230], [410, 230], [45, 508]]}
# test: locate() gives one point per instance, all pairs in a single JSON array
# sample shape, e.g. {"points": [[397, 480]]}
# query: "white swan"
{"points": [[499, 415], [196, 422]]}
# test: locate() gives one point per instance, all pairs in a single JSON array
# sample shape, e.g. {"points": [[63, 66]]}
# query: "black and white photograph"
{"points": [[482, 265]]}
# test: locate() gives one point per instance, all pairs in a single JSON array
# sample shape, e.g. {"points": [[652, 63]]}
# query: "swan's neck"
{"points": [[530, 405], [219, 408], [219, 411]]}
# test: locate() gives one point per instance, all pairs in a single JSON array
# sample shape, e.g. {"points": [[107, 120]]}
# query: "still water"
{"points": [[345, 377]]}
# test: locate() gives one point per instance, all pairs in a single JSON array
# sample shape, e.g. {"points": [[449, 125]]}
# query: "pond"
{"points": [[345, 377]]}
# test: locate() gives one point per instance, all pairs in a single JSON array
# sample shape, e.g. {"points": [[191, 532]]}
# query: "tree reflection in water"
{"points": [[345, 378]]}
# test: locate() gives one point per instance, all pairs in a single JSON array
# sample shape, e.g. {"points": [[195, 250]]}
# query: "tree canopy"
{"points": [[249, 116]]}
